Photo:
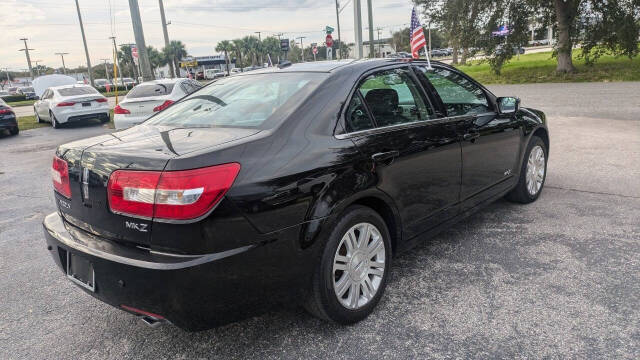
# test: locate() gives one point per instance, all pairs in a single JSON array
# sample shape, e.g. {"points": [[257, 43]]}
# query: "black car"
{"points": [[8, 119], [289, 185]]}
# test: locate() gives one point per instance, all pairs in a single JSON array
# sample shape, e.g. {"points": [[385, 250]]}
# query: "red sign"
{"points": [[315, 50], [329, 40]]}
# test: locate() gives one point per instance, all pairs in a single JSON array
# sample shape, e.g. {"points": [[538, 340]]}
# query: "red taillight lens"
{"points": [[66, 103], [60, 176], [120, 110], [172, 195], [101, 100], [133, 192], [164, 105], [5, 111]]}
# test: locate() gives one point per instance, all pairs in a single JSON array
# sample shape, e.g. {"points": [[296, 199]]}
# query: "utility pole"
{"points": [[357, 22], [106, 70], [84, 40], [302, 46], [64, 68], [26, 51], [145, 65], [166, 37], [429, 37], [116, 60], [372, 49], [338, 23]]}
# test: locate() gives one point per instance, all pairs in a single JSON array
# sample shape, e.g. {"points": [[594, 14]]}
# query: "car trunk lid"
{"points": [[143, 148]]}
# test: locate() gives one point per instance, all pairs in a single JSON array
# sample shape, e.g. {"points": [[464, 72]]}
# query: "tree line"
{"points": [[595, 26]]}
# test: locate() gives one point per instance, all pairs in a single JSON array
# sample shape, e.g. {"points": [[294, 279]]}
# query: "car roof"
{"points": [[339, 65], [70, 86]]}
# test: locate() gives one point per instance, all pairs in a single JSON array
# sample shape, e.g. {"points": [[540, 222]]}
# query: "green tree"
{"points": [[175, 52], [252, 48], [156, 59], [126, 60], [225, 46], [238, 48], [271, 47]]}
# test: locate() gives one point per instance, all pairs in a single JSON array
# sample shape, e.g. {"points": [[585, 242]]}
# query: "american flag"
{"points": [[417, 35]]}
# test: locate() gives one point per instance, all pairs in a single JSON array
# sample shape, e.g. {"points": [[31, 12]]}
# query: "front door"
{"points": [[414, 154], [490, 141]]}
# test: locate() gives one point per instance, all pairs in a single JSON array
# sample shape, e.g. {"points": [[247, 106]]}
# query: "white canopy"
{"points": [[42, 83]]}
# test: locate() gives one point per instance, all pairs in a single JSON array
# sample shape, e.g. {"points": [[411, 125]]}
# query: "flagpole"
{"points": [[426, 51]]}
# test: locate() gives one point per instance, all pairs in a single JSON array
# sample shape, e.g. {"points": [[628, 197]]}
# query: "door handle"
{"points": [[384, 156], [471, 136]]}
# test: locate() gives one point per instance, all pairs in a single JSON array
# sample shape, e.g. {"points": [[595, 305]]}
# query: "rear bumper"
{"points": [[194, 292], [8, 123], [72, 115], [125, 122]]}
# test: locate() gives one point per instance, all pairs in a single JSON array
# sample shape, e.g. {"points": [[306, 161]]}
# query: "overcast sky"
{"points": [[52, 25]]}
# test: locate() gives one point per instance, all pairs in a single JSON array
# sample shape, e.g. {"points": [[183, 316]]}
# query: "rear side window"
{"points": [[74, 91], [394, 98], [148, 90], [460, 95]]}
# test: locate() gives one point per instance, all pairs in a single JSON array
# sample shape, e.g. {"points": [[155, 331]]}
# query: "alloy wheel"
{"points": [[535, 170], [358, 266]]}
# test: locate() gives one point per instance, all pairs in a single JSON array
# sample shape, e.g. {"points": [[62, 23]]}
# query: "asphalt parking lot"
{"points": [[559, 278]]}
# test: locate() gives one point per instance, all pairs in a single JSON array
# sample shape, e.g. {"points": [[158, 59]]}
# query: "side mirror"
{"points": [[508, 105]]}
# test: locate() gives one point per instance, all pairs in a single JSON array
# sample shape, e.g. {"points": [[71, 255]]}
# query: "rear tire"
{"points": [[532, 174], [354, 269], [14, 131], [54, 123]]}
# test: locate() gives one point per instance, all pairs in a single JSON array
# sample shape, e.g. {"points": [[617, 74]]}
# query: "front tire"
{"points": [[532, 174], [354, 269], [38, 120]]}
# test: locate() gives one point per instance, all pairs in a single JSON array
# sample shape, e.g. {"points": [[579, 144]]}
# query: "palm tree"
{"points": [[252, 46], [225, 46], [156, 59], [271, 47], [127, 60], [238, 48], [175, 52]]}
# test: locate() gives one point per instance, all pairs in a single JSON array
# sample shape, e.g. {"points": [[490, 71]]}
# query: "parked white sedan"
{"points": [[71, 103], [148, 98]]}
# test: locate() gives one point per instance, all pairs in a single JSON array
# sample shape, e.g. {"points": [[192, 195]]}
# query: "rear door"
{"points": [[491, 142], [414, 153]]}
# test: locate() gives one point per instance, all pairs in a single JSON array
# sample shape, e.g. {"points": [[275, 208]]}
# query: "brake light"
{"points": [[66, 103], [5, 111], [171, 195], [164, 105], [120, 110], [101, 100], [60, 176]]}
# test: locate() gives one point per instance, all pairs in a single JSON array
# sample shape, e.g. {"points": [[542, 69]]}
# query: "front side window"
{"points": [[459, 95], [394, 98], [243, 101]]}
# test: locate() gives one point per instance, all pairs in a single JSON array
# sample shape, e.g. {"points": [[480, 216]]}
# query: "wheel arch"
{"points": [[542, 133]]}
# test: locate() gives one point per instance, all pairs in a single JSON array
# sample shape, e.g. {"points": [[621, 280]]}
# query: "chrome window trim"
{"points": [[414, 124]]}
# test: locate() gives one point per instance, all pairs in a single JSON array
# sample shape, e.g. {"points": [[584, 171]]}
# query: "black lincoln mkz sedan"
{"points": [[294, 184]]}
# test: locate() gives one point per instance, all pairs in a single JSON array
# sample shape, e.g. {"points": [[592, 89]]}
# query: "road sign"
{"points": [[314, 48], [329, 53], [328, 29], [284, 45], [134, 54], [329, 40]]}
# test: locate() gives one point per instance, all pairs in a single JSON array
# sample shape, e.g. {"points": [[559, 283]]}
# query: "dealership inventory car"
{"points": [[102, 84], [28, 92], [71, 103], [211, 74], [148, 98], [8, 119], [289, 185]]}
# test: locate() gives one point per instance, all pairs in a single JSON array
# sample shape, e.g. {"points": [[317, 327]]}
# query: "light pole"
{"points": [[357, 22], [145, 65], [372, 49], [26, 51], [64, 69], [338, 23], [37, 67], [302, 46], [106, 70]]}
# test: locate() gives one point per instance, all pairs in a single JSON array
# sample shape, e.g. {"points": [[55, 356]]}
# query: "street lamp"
{"points": [[64, 69]]}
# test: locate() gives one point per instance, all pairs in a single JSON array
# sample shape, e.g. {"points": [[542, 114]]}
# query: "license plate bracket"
{"points": [[85, 104], [80, 271]]}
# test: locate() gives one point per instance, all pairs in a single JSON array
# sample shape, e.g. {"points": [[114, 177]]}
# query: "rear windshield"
{"points": [[85, 90], [147, 90], [27, 89], [251, 101]]}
